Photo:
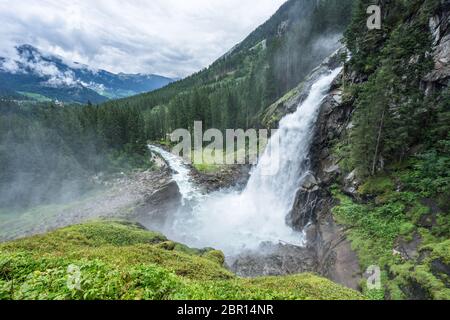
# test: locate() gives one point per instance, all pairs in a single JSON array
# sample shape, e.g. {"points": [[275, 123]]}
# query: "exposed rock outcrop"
{"points": [[159, 206], [235, 176], [275, 260], [440, 30]]}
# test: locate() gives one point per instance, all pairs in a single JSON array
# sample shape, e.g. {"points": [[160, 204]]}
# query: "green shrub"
{"points": [[376, 186]]}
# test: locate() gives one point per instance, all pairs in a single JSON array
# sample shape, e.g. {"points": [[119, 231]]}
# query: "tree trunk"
{"points": [[380, 131]]}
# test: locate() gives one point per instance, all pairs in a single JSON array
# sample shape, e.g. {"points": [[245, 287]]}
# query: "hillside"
{"points": [[398, 84], [119, 260], [41, 77]]}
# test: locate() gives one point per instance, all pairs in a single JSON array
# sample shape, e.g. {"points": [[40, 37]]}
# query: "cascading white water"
{"points": [[180, 175], [236, 221]]}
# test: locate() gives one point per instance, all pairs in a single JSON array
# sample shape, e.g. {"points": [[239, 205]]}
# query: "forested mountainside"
{"points": [[380, 156], [37, 76], [398, 146], [50, 154], [238, 86]]}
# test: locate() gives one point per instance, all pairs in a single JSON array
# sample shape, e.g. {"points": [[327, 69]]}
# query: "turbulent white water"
{"points": [[234, 221], [180, 175]]}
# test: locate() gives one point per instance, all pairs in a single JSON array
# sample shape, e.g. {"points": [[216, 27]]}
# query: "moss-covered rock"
{"points": [[376, 186], [216, 256], [414, 260]]}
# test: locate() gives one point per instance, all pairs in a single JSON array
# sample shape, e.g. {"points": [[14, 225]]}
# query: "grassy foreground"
{"points": [[119, 260]]}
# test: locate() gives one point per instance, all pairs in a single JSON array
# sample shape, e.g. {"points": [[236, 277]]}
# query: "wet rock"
{"points": [[332, 169], [415, 291], [441, 270], [312, 207], [235, 176], [159, 206], [309, 181], [351, 184], [408, 250], [274, 260], [337, 261], [303, 212]]}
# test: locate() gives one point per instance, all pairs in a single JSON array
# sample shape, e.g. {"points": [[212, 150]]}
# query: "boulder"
{"points": [[274, 260], [159, 206], [309, 181]]}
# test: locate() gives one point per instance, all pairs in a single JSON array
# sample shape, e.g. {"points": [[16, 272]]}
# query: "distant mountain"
{"points": [[43, 77]]}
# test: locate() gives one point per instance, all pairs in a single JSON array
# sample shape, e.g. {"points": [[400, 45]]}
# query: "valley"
{"points": [[355, 178]]}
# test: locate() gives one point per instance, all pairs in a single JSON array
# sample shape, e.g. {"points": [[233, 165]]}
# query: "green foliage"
{"points": [[399, 145], [392, 112], [430, 174], [216, 256], [375, 229], [119, 260], [376, 186], [49, 153], [433, 283]]}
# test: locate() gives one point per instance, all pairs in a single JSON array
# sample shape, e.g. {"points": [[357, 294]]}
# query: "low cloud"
{"points": [[34, 63], [169, 37]]}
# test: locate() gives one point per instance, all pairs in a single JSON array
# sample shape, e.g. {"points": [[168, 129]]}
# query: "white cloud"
{"points": [[35, 64], [10, 66], [169, 37]]}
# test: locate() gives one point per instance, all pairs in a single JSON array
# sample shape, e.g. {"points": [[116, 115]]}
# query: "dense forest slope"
{"points": [[397, 147], [50, 154], [381, 154]]}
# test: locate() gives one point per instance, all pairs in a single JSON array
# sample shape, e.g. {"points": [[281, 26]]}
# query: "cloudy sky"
{"points": [[167, 37]]}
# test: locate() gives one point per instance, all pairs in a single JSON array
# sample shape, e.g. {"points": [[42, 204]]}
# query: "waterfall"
{"points": [[234, 221]]}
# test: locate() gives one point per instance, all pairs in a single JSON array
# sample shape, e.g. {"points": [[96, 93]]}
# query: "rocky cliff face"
{"points": [[440, 29]]}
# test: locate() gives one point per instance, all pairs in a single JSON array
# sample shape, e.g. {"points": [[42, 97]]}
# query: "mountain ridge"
{"points": [[51, 77]]}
